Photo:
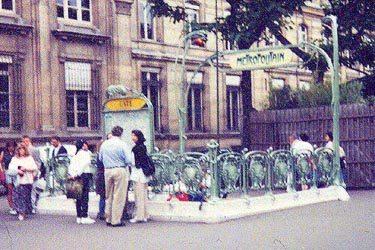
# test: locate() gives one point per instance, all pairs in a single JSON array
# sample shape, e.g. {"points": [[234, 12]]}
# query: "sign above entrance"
{"points": [[125, 104], [250, 60]]}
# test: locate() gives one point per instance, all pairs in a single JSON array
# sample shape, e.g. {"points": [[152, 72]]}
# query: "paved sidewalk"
{"points": [[324, 226]]}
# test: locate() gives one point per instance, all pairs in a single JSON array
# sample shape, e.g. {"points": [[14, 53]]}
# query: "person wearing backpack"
{"points": [[140, 180]]}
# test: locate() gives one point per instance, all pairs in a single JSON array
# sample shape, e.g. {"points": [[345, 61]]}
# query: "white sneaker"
{"points": [[12, 212], [79, 220], [33, 211], [87, 221], [135, 220], [21, 217]]}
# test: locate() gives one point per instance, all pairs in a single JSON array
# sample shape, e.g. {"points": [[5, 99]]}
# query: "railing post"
{"points": [[269, 177], [244, 177], [213, 147]]}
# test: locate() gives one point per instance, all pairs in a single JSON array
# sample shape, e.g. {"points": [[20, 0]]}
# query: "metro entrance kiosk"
{"points": [[130, 111]]}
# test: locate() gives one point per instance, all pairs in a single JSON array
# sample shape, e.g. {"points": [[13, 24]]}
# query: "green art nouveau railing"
{"points": [[217, 174]]}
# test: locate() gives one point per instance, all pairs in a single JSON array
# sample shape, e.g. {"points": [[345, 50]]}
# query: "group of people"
{"points": [[116, 165], [22, 165], [299, 143]]}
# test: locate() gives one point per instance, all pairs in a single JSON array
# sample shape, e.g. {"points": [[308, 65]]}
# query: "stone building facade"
{"points": [[57, 58]]}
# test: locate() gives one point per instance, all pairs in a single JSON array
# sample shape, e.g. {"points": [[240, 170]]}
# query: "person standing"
{"points": [[140, 180], [328, 137], [5, 158], [298, 146], [100, 181], [79, 168], [23, 166], [34, 152], [116, 158], [58, 148]]}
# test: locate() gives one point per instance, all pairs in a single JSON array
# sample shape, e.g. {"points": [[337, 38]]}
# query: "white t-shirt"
{"points": [[80, 163], [300, 146], [341, 150]]}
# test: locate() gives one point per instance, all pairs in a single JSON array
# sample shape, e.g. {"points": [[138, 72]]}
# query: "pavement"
{"points": [[331, 225]]}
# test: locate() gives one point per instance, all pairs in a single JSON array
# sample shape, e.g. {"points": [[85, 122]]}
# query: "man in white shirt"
{"points": [[298, 146]]}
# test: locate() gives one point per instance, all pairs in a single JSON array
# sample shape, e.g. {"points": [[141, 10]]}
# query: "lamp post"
{"points": [[199, 38], [338, 180]]}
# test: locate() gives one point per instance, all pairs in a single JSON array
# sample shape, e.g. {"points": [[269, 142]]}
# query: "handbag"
{"points": [[40, 185], [74, 189], [149, 168]]}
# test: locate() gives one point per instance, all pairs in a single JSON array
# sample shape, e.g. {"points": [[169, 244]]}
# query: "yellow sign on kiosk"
{"points": [[125, 104]]}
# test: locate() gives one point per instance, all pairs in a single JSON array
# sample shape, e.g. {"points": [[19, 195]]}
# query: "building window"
{"points": [[4, 96], [302, 33], [192, 13], [195, 102], [277, 83], [147, 21], [7, 5], [78, 10], [304, 85], [78, 94], [151, 89], [233, 102]]}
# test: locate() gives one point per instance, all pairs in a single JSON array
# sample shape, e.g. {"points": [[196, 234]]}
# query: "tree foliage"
{"points": [[318, 95]]}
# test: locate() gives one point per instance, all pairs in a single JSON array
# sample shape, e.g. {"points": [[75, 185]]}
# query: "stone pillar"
{"points": [[122, 43], [43, 85]]}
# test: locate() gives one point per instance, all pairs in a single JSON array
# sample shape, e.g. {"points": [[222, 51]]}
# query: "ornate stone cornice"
{"points": [[15, 29], [75, 36], [124, 7]]}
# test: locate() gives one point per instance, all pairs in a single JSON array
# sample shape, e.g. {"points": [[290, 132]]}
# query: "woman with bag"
{"points": [[5, 158], [79, 170], [140, 180], [24, 168]]}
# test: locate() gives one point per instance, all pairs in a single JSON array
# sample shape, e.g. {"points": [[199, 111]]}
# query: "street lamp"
{"points": [[338, 180], [198, 38]]}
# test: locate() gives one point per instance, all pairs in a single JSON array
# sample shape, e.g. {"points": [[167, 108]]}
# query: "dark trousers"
{"points": [[82, 204]]}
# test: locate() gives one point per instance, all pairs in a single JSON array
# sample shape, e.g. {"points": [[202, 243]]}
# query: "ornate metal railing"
{"points": [[230, 172], [220, 173]]}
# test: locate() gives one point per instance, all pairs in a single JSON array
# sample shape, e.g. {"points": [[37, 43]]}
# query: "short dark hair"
{"points": [[117, 131], [139, 135], [55, 137], [80, 143], [330, 135], [304, 137]]}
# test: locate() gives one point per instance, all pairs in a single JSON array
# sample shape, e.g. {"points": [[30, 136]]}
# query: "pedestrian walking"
{"points": [[5, 158], [116, 158], [79, 169], [140, 180], [24, 168]]}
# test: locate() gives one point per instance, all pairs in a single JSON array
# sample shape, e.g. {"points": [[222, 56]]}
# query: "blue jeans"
{"points": [[101, 206], [82, 204]]}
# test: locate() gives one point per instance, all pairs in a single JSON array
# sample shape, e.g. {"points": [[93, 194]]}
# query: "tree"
{"points": [[356, 33], [250, 21], [247, 24]]}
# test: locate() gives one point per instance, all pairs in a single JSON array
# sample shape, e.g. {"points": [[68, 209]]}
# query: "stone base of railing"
{"points": [[229, 209], [210, 212]]}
